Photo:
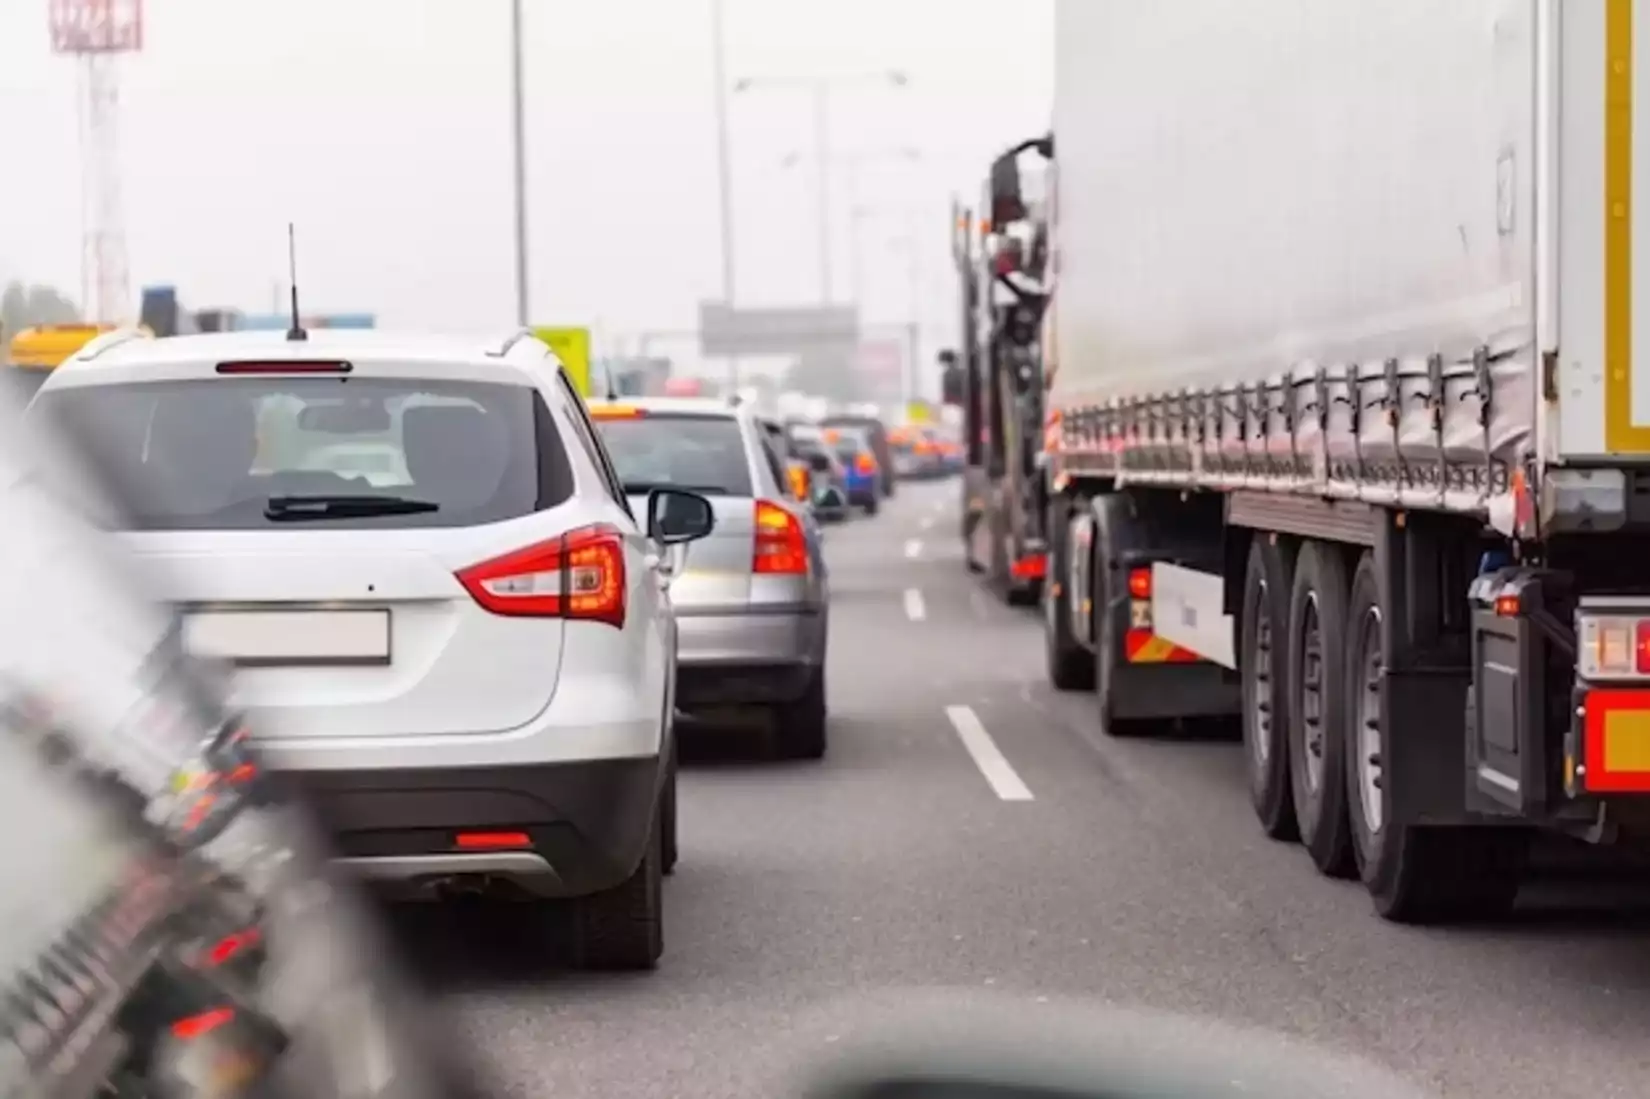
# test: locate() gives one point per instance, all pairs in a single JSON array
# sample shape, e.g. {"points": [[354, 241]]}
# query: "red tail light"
{"points": [[864, 463], [579, 575], [1140, 583], [199, 1026], [780, 544]]}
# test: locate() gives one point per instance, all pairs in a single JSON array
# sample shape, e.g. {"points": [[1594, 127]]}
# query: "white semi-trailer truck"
{"points": [[1346, 411]]}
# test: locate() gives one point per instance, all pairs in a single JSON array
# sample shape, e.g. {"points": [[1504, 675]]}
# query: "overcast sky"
{"points": [[381, 127]]}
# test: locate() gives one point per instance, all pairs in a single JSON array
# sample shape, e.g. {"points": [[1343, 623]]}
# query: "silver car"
{"points": [[752, 599]]}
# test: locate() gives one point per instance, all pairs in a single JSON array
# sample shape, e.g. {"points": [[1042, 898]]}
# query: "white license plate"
{"points": [[270, 639]]}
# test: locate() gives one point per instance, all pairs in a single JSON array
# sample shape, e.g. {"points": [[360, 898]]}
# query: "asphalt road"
{"points": [[915, 856]]}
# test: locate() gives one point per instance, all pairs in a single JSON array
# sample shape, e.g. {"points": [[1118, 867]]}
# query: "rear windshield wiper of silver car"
{"points": [[294, 509]]}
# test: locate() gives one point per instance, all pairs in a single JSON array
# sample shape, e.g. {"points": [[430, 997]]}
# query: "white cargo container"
{"points": [[1347, 426]]}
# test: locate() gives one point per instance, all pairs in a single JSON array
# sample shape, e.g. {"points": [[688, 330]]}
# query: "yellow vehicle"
{"points": [[36, 352]]}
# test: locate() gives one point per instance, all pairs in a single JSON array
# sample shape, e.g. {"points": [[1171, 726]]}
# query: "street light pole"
{"points": [[519, 124], [724, 166], [853, 162], [820, 88], [822, 151]]}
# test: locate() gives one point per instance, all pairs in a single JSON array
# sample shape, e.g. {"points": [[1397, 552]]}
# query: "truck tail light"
{"points": [[780, 545], [1140, 583], [865, 464], [1614, 647], [579, 575], [1140, 599], [1033, 566]]}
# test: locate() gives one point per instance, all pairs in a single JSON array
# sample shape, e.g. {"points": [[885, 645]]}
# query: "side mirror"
{"points": [[675, 516]]}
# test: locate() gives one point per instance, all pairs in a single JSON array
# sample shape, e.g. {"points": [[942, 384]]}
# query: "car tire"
{"points": [[667, 822], [801, 724], [872, 505], [623, 928]]}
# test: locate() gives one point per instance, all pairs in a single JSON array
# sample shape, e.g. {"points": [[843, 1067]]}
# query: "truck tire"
{"points": [[1316, 674], [1414, 873], [623, 927], [1070, 666], [1261, 664]]}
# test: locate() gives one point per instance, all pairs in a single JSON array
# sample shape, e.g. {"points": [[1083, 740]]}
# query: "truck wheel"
{"points": [[1261, 662], [623, 927], [1414, 873], [1070, 667], [1316, 675]]}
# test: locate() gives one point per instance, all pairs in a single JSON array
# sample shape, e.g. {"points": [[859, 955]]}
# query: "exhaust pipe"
{"points": [[463, 887]]}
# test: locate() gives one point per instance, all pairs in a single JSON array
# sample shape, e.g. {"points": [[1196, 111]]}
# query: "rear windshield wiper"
{"points": [[292, 509], [642, 488]]}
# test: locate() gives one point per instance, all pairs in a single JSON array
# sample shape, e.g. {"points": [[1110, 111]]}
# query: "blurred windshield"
{"points": [[705, 453], [211, 454]]}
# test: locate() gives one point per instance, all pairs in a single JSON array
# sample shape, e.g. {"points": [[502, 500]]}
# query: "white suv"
{"points": [[447, 623]]}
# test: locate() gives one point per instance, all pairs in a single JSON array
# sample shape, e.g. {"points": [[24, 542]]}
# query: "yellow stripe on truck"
{"points": [[1621, 434]]}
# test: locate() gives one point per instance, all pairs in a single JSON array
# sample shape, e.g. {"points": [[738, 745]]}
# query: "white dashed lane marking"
{"points": [[1005, 782]]}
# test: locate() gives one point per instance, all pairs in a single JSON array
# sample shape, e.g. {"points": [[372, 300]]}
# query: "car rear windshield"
{"points": [[259, 453], [703, 453]]}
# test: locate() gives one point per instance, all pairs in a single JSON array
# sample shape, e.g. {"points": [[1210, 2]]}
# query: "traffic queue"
{"points": [[462, 606]]}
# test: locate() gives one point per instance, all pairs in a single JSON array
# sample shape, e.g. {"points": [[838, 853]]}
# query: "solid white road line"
{"points": [[914, 609], [999, 773], [913, 548]]}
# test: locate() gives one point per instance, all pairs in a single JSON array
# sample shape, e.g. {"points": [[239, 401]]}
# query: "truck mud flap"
{"points": [[1426, 711]]}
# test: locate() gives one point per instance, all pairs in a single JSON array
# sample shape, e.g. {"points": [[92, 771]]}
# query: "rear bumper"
{"points": [[742, 659], [580, 779], [588, 823]]}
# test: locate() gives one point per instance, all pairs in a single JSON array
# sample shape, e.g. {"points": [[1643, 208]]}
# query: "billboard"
{"points": [[786, 330]]}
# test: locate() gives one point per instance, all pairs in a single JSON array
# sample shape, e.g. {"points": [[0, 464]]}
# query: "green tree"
{"points": [[22, 305]]}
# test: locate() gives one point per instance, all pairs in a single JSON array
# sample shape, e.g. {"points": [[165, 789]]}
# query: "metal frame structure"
{"points": [[96, 33]]}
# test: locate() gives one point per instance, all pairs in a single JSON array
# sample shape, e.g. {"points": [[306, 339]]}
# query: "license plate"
{"points": [[274, 639]]}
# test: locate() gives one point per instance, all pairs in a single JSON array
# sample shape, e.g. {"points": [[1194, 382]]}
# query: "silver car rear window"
{"points": [[678, 450]]}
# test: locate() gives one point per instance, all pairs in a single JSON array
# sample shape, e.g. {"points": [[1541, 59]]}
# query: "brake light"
{"points": [[579, 575], [199, 1026], [230, 947], [294, 367], [1140, 583], [864, 463], [491, 841], [780, 545]]}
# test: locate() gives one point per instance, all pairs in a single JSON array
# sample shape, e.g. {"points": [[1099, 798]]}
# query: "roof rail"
{"points": [[97, 345], [509, 344]]}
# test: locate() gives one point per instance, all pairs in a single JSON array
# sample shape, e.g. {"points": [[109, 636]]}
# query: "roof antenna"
{"points": [[296, 333]]}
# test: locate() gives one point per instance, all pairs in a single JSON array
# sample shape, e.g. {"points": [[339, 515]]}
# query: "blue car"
{"points": [[863, 475]]}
